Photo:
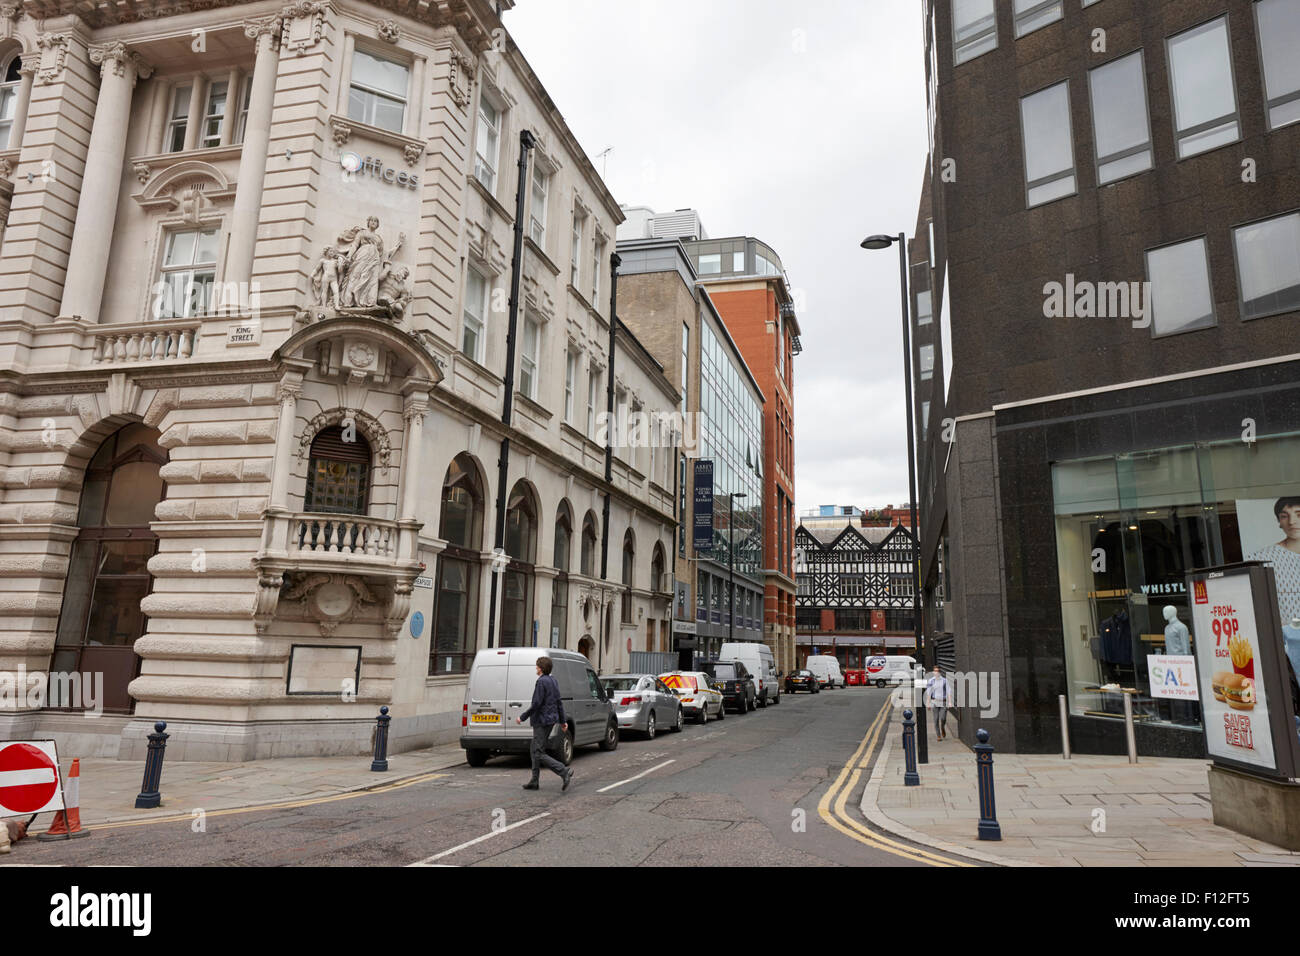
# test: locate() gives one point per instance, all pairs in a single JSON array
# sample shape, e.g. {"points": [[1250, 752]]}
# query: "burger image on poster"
{"points": [[1270, 532]]}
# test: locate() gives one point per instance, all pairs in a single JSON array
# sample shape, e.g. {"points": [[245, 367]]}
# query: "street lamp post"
{"points": [[884, 242], [731, 563]]}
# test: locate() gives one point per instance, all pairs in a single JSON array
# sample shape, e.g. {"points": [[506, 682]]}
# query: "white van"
{"points": [[500, 688], [758, 660], [827, 669], [890, 669]]}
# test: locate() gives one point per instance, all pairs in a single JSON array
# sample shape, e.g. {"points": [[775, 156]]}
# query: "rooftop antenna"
{"points": [[604, 158]]}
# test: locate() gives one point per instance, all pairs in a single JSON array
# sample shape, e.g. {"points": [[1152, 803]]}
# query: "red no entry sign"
{"points": [[29, 778]]}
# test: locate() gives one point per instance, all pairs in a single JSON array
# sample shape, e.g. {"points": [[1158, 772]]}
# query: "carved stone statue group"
{"points": [[356, 277]]}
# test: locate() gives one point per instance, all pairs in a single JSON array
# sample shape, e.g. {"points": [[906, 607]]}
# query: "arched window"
{"points": [[338, 473], [560, 589], [108, 572], [456, 611], [9, 88], [629, 562], [657, 571], [517, 585], [589, 546]]}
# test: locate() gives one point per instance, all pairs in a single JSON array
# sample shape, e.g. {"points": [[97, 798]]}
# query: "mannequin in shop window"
{"points": [[1177, 641]]}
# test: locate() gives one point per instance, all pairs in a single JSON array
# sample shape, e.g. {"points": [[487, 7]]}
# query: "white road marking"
{"points": [[26, 778], [637, 777], [486, 836]]}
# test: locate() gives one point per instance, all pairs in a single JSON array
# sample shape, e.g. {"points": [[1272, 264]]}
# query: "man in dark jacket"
{"points": [[546, 710]]}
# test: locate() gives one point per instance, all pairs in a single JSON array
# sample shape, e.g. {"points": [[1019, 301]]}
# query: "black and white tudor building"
{"points": [[854, 591]]}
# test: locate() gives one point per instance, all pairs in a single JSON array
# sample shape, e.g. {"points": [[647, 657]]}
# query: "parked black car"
{"points": [[802, 680], [736, 684]]}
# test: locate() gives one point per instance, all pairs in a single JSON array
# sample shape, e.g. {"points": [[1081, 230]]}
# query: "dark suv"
{"points": [[735, 683]]}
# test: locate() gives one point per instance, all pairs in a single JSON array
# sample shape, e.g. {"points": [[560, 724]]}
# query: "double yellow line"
{"points": [[833, 805]]}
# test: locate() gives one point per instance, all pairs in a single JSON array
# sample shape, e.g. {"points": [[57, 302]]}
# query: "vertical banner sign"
{"points": [[1239, 664], [703, 506]]}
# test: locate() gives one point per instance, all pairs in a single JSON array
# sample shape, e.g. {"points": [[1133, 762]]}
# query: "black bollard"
{"points": [[988, 828], [150, 797], [380, 763], [910, 777]]}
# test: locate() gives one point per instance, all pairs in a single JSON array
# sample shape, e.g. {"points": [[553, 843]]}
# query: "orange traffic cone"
{"points": [[67, 822]]}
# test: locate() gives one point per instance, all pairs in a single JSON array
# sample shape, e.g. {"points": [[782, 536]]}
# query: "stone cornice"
{"points": [[474, 20]]}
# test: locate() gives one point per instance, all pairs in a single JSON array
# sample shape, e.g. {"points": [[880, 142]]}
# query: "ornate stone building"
{"points": [[255, 289]]}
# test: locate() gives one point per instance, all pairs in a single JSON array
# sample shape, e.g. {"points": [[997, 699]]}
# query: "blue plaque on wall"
{"points": [[417, 624]]}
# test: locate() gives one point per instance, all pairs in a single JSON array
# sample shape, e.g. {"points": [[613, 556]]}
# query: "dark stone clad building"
{"points": [[1105, 281]]}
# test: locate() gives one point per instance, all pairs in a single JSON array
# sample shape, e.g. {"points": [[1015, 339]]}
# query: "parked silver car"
{"points": [[643, 703]]}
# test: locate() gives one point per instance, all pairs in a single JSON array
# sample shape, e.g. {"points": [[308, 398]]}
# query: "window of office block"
{"points": [[245, 95], [1268, 266], [974, 29], [487, 143], [178, 118], [529, 357], [570, 382], [214, 115], [1277, 25], [1181, 299], [593, 385], [1033, 15], [476, 305], [378, 91], [598, 266], [1049, 145], [537, 208], [189, 269], [711, 265], [1204, 94], [927, 362], [1120, 123], [924, 308], [575, 267]]}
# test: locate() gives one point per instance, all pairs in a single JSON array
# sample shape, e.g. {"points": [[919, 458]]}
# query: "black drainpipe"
{"points": [[526, 144], [614, 262]]}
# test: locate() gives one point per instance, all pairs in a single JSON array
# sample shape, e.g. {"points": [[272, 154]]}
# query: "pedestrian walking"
{"points": [[546, 710], [940, 695]]}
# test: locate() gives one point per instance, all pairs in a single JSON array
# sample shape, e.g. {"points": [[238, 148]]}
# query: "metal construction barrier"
{"points": [[652, 662]]}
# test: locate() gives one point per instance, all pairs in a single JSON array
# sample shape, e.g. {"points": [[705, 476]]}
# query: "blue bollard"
{"points": [[150, 797], [380, 763], [910, 777], [988, 828]]}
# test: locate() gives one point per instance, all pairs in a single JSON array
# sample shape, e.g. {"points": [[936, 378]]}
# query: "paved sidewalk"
{"points": [[109, 787], [1155, 812]]}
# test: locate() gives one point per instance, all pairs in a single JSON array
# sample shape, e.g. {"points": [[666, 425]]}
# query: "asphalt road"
{"points": [[741, 792]]}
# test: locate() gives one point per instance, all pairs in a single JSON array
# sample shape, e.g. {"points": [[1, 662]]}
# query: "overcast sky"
{"points": [[803, 125]]}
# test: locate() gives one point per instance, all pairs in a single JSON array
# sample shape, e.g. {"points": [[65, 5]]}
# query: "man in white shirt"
{"points": [[939, 695]]}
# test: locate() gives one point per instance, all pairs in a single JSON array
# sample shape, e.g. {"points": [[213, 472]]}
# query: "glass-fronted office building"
{"points": [[731, 436]]}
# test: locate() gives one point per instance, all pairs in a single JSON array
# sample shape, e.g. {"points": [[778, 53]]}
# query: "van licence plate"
{"points": [[485, 719]]}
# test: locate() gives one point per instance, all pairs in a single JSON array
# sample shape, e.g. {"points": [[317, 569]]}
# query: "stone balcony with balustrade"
{"points": [[306, 547], [145, 342]]}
